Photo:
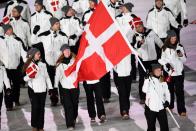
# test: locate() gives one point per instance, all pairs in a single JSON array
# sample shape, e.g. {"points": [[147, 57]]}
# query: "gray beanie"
{"points": [[18, 8], [53, 20], [95, 1], [6, 27], [64, 46], [66, 8], [129, 6], [32, 52], [171, 33], [40, 2], [156, 66]]}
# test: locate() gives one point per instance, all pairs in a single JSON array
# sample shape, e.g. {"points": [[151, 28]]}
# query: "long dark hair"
{"points": [[167, 44], [27, 63], [61, 57]]}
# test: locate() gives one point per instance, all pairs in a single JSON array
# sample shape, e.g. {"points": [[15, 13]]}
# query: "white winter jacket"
{"points": [[66, 82], [22, 29], [71, 26], [26, 13], [52, 43], [11, 50], [41, 81], [3, 79], [156, 93], [177, 6], [159, 21], [170, 56], [147, 51]]}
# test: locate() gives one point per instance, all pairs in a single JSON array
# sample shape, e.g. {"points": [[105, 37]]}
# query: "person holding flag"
{"points": [[38, 82], [157, 99], [69, 91]]}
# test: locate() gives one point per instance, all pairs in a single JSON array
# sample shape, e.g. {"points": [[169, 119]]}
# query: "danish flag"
{"points": [[31, 71], [102, 46], [55, 5]]}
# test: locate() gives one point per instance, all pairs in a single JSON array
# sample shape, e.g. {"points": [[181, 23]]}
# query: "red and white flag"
{"points": [[31, 71], [102, 46], [55, 5]]}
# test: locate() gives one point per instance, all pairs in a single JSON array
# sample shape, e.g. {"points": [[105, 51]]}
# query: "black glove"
{"points": [[168, 66], [55, 92], [147, 75], [185, 22], [180, 27], [74, 36], [36, 29], [8, 92], [166, 104], [50, 92]]}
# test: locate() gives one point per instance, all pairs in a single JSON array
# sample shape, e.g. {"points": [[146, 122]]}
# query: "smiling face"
{"points": [[9, 32], [56, 26], [157, 72], [159, 3], [71, 12], [15, 13], [173, 40], [38, 7], [67, 53]]}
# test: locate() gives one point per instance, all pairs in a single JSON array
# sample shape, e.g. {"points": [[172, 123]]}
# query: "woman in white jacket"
{"points": [[38, 82], [69, 91], [157, 99], [172, 58]]}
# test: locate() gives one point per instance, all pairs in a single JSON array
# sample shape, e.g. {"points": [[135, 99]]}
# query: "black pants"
{"points": [[90, 90], [106, 86], [134, 69], [142, 74], [37, 108], [124, 90], [14, 77], [151, 117], [51, 72], [70, 104], [179, 20], [176, 86]]}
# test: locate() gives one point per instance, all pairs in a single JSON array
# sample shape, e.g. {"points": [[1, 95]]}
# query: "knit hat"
{"points": [[53, 20], [129, 6], [66, 8], [6, 27], [137, 21], [64, 46], [95, 1], [18, 8], [40, 2], [32, 52], [156, 66], [171, 33]]}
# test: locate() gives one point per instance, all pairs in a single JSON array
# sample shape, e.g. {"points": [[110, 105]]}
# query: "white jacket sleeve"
{"points": [[57, 76], [167, 93], [172, 20], [184, 9], [23, 53], [5, 79], [157, 40], [149, 21], [145, 86], [28, 33], [48, 81], [163, 60], [183, 58]]}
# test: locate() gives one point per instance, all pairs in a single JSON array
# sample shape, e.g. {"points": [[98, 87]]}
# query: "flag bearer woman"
{"points": [[69, 92]]}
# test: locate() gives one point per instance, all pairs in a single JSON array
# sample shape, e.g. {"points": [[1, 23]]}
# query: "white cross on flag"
{"points": [[102, 46]]}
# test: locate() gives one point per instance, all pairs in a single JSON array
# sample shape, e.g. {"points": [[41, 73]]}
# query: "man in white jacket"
{"points": [[72, 27], [179, 10], [157, 99], [26, 13], [20, 26], [159, 19], [11, 51], [39, 19]]}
